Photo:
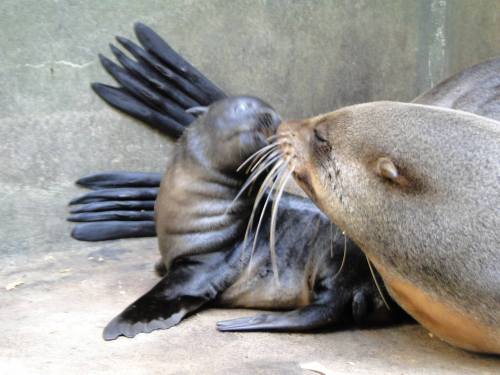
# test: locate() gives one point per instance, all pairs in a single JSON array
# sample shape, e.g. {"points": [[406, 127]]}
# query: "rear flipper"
{"points": [[159, 86], [124, 211], [305, 319], [362, 309]]}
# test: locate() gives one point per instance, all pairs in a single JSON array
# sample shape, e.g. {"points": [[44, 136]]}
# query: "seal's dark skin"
{"points": [[200, 238]]}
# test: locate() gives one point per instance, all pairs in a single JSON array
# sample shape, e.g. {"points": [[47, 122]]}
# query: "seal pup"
{"points": [[417, 188], [200, 218]]}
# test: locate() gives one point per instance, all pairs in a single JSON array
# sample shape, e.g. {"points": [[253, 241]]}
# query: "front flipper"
{"points": [[191, 282], [154, 310], [305, 319]]}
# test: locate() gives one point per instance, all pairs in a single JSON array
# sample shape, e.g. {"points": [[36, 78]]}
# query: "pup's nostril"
{"points": [[266, 119], [243, 106]]}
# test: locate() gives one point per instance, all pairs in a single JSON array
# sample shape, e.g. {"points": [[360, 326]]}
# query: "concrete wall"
{"points": [[305, 57]]}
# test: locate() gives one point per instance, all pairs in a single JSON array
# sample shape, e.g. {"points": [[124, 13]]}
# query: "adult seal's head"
{"points": [[417, 188]]}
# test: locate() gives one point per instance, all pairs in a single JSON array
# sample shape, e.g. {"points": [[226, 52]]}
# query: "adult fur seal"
{"points": [[204, 259], [417, 188]]}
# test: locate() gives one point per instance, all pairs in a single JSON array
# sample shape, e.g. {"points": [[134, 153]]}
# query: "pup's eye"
{"points": [[319, 137]]}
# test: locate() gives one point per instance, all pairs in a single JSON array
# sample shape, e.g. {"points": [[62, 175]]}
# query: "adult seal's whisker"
{"points": [[258, 198], [274, 213], [257, 153], [278, 136], [268, 155], [279, 174], [252, 178]]}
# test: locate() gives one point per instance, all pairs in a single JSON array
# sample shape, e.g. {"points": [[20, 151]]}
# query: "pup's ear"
{"points": [[197, 111]]}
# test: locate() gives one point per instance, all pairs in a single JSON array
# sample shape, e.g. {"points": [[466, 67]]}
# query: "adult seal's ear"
{"points": [[386, 169]]}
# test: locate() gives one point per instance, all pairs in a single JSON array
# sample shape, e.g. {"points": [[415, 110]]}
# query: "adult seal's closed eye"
{"points": [[417, 188], [200, 229]]}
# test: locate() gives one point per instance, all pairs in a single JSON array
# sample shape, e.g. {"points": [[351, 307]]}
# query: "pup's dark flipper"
{"points": [[124, 211], [124, 101], [305, 319], [189, 284], [105, 206], [116, 194], [158, 86], [154, 310], [120, 180], [112, 215], [112, 230], [157, 46]]}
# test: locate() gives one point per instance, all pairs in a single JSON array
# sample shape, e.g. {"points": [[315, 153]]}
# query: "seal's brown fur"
{"points": [[434, 238]]}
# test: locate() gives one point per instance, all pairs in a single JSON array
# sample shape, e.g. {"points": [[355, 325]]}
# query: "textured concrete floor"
{"points": [[304, 57], [52, 323]]}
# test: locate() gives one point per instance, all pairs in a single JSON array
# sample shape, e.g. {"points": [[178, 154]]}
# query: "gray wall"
{"points": [[305, 57]]}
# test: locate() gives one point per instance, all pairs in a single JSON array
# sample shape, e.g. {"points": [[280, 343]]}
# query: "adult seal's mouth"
{"points": [[294, 137]]}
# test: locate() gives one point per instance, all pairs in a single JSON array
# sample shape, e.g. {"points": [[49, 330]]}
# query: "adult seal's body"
{"points": [[200, 234], [417, 188]]}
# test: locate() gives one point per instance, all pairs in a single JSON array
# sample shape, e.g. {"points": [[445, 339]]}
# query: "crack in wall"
{"points": [[58, 62]]}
